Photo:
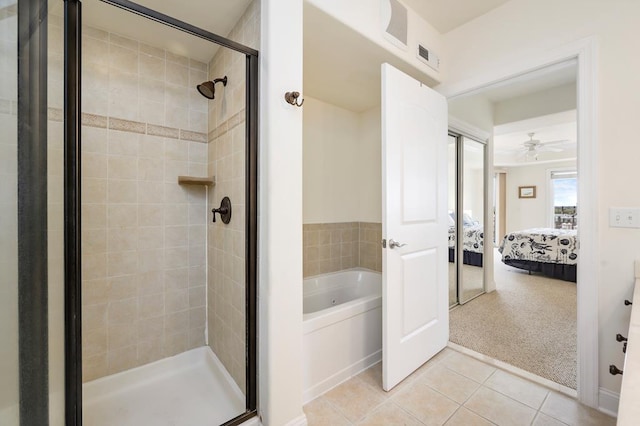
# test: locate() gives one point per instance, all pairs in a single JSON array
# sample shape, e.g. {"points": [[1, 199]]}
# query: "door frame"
{"points": [[584, 51]]}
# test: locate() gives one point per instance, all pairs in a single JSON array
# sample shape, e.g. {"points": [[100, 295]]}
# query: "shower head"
{"points": [[208, 88]]}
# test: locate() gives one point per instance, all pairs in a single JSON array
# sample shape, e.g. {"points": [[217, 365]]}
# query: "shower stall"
{"points": [[129, 188]]}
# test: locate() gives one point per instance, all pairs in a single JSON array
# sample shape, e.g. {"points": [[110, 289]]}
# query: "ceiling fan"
{"points": [[532, 147]]}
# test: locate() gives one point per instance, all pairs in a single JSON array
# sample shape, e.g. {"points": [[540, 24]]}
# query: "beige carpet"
{"points": [[528, 322]]}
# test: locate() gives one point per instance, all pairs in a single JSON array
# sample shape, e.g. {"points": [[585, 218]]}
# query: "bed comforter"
{"points": [[545, 245]]}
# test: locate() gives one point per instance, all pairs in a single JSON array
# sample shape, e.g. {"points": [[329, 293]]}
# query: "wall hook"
{"points": [[292, 98]]}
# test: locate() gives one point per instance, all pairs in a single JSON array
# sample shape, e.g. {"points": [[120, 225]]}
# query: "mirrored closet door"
{"points": [[467, 190]]}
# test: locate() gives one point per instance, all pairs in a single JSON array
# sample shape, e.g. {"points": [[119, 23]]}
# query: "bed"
{"points": [[472, 244], [552, 252]]}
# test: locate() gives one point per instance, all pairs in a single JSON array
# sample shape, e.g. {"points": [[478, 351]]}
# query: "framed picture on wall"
{"points": [[526, 192]]}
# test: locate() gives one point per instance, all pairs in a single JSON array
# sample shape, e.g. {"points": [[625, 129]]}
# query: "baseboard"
{"points": [[298, 421], [341, 376], [608, 402]]}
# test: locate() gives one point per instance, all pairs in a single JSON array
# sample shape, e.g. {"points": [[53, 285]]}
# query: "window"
{"points": [[564, 196]]}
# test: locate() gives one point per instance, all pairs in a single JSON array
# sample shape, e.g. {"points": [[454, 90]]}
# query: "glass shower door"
{"points": [[9, 387], [31, 214]]}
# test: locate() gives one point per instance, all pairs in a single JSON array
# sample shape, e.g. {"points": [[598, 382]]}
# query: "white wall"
{"points": [[330, 163], [280, 216], [521, 29], [474, 110], [551, 101], [370, 165], [341, 164], [364, 16], [525, 213]]}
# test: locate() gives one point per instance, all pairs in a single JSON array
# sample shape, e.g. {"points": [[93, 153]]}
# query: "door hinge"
{"points": [[384, 243]]}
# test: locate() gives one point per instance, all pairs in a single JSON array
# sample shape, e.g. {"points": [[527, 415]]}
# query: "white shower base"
{"points": [[189, 389]]}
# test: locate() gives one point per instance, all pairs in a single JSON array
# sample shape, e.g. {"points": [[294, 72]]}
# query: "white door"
{"points": [[415, 306]]}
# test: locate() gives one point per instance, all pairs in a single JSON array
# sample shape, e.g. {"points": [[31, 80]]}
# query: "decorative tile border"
{"points": [[228, 125], [102, 122], [8, 11], [127, 126]]}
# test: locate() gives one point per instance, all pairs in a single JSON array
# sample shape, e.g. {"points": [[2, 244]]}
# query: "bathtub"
{"points": [[342, 327]]}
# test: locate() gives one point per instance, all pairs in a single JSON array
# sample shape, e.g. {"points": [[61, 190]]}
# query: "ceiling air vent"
{"points": [[428, 57]]}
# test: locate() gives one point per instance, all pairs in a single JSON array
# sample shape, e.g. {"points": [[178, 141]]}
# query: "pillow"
{"points": [[468, 220]]}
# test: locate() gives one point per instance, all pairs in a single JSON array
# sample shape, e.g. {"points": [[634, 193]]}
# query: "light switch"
{"points": [[624, 217]]}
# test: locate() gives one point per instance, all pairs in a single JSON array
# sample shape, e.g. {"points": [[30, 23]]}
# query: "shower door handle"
{"points": [[394, 244]]}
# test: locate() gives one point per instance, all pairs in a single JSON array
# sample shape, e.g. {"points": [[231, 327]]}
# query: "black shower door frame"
{"points": [[72, 193]]}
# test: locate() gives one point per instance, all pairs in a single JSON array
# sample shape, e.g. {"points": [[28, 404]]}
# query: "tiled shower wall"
{"points": [[332, 247], [226, 248], [144, 236]]}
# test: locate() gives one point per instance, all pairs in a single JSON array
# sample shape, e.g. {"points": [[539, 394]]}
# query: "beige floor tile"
{"points": [[544, 420], [500, 409], [464, 417], [354, 398], [427, 405], [373, 377], [517, 388], [389, 414], [571, 412], [320, 412], [468, 367], [449, 383]]}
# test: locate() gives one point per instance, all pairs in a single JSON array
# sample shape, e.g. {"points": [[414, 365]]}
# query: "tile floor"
{"points": [[451, 389]]}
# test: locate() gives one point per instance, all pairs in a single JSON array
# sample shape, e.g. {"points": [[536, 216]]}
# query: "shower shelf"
{"points": [[192, 180]]}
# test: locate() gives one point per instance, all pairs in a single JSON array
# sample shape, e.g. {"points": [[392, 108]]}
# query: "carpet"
{"points": [[528, 322]]}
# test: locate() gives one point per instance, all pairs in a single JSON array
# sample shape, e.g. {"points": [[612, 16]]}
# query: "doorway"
{"points": [[532, 120]]}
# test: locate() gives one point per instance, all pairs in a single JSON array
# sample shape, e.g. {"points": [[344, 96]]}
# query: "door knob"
{"points": [[394, 244], [621, 338]]}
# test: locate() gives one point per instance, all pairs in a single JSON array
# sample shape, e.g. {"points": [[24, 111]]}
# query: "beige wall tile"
{"points": [[94, 367], [150, 350], [176, 322], [151, 306], [121, 336], [135, 215], [121, 359], [94, 317], [122, 263], [177, 300], [150, 282], [122, 239], [122, 215], [94, 342], [123, 287], [122, 312], [176, 343]]}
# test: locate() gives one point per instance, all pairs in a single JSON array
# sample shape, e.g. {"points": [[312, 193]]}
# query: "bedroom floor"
{"points": [[528, 322]]}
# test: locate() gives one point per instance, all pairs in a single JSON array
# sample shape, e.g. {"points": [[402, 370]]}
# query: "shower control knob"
{"points": [[224, 210]]}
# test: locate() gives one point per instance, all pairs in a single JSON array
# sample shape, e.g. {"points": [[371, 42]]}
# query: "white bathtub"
{"points": [[342, 327]]}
